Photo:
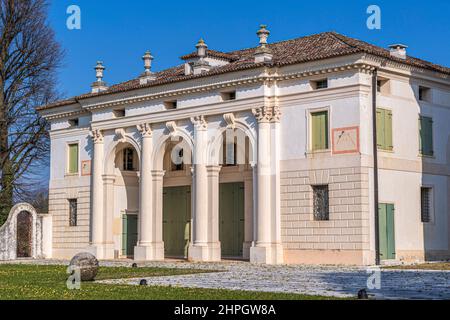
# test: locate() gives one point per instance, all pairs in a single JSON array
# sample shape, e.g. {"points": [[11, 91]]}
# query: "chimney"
{"points": [[201, 65], [398, 51], [99, 85], [263, 52], [147, 75]]}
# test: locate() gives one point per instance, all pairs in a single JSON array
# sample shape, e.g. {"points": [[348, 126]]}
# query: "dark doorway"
{"points": [[24, 230]]}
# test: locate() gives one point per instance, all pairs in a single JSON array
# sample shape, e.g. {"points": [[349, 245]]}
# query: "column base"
{"points": [[149, 252], [267, 254], [102, 251], [246, 250], [208, 252]]}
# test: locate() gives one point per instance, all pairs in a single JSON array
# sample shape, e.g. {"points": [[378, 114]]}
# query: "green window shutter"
{"points": [[319, 130], [380, 128], [426, 136], [73, 158], [388, 130]]}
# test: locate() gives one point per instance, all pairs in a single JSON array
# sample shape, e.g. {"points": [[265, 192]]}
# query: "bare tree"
{"points": [[29, 58]]}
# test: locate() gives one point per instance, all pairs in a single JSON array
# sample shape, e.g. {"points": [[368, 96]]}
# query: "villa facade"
{"points": [[263, 154]]}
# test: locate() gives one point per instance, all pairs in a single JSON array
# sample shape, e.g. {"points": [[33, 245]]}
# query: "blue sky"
{"points": [[119, 32]]}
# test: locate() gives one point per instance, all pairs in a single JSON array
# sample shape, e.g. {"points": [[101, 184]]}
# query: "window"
{"points": [[384, 129], [227, 96], [424, 93], [74, 122], [170, 104], [321, 203], [426, 136], [229, 154], [120, 113], [425, 201], [73, 158], [73, 208], [319, 130], [383, 86], [128, 157], [320, 84]]}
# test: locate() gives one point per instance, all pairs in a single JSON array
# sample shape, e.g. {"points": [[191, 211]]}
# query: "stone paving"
{"points": [[332, 281]]}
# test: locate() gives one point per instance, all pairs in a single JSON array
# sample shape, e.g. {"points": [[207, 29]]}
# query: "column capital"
{"points": [[145, 129], [199, 122], [213, 169], [267, 114], [158, 174], [96, 135]]}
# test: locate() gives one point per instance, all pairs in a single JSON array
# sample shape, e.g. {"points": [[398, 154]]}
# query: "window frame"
{"points": [[431, 204], [310, 114], [71, 143], [421, 153], [315, 86], [73, 222], [385, 147], [228, 95], [125, 162], [322, 216], [428, 94]]}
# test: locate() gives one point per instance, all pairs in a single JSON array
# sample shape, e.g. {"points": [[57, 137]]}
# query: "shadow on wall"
{"points": [[434, 203]]}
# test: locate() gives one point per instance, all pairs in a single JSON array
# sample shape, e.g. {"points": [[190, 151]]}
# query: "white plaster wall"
{"points": [[403, 190]]}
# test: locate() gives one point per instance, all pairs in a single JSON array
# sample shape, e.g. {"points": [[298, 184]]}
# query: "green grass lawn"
{"points": [[36, 282], [445, 266]]}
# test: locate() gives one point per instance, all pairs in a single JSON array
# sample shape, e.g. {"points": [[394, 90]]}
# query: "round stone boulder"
{"points": [[88, 265]]}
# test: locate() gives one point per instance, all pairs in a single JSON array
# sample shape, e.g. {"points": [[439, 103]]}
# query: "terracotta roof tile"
{"points": [[310, 48]]}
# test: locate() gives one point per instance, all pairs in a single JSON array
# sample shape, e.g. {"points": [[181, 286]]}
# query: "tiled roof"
{"points": [[310, 48]]}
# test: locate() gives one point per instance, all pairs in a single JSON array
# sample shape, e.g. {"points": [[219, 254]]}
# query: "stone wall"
{"points": [[68, 240], [347, 230]]}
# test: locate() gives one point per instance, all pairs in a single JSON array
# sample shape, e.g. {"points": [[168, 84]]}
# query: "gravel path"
{"points": [[333, 281]]}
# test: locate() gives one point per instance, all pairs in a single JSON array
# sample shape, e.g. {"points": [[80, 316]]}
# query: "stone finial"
{"points": [[263, 34], [99, 85], [201, 65], [201, 48], [99, 68], [263, 52], [148, 75], [148, 58]]}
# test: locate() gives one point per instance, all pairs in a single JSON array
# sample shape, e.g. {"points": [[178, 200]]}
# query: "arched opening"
{"points": [[24, 235], [177, 193], [235, 194], [125, 200]]}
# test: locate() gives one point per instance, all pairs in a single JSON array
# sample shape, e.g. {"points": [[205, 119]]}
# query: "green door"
{"points": [[129, 234], [386, 231], [176, 220], [231, 216]]}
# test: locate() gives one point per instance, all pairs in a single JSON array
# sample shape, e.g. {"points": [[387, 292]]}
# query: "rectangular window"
{"points": [[424, 93], [74, 123], [73, 208], [128, 159], [227, 96], [426, 136], [73, 158], [320, 84], [119, 113], [169, 105], [384, 129], [383, 86], [319, 130], [321, 203], [425, 201]]}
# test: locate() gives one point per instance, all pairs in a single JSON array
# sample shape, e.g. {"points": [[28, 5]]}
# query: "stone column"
{"points": [[97, 219], [248, 233], [213, 212], [108, 214], [200, 248], [146, 249], [266, 249]]}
